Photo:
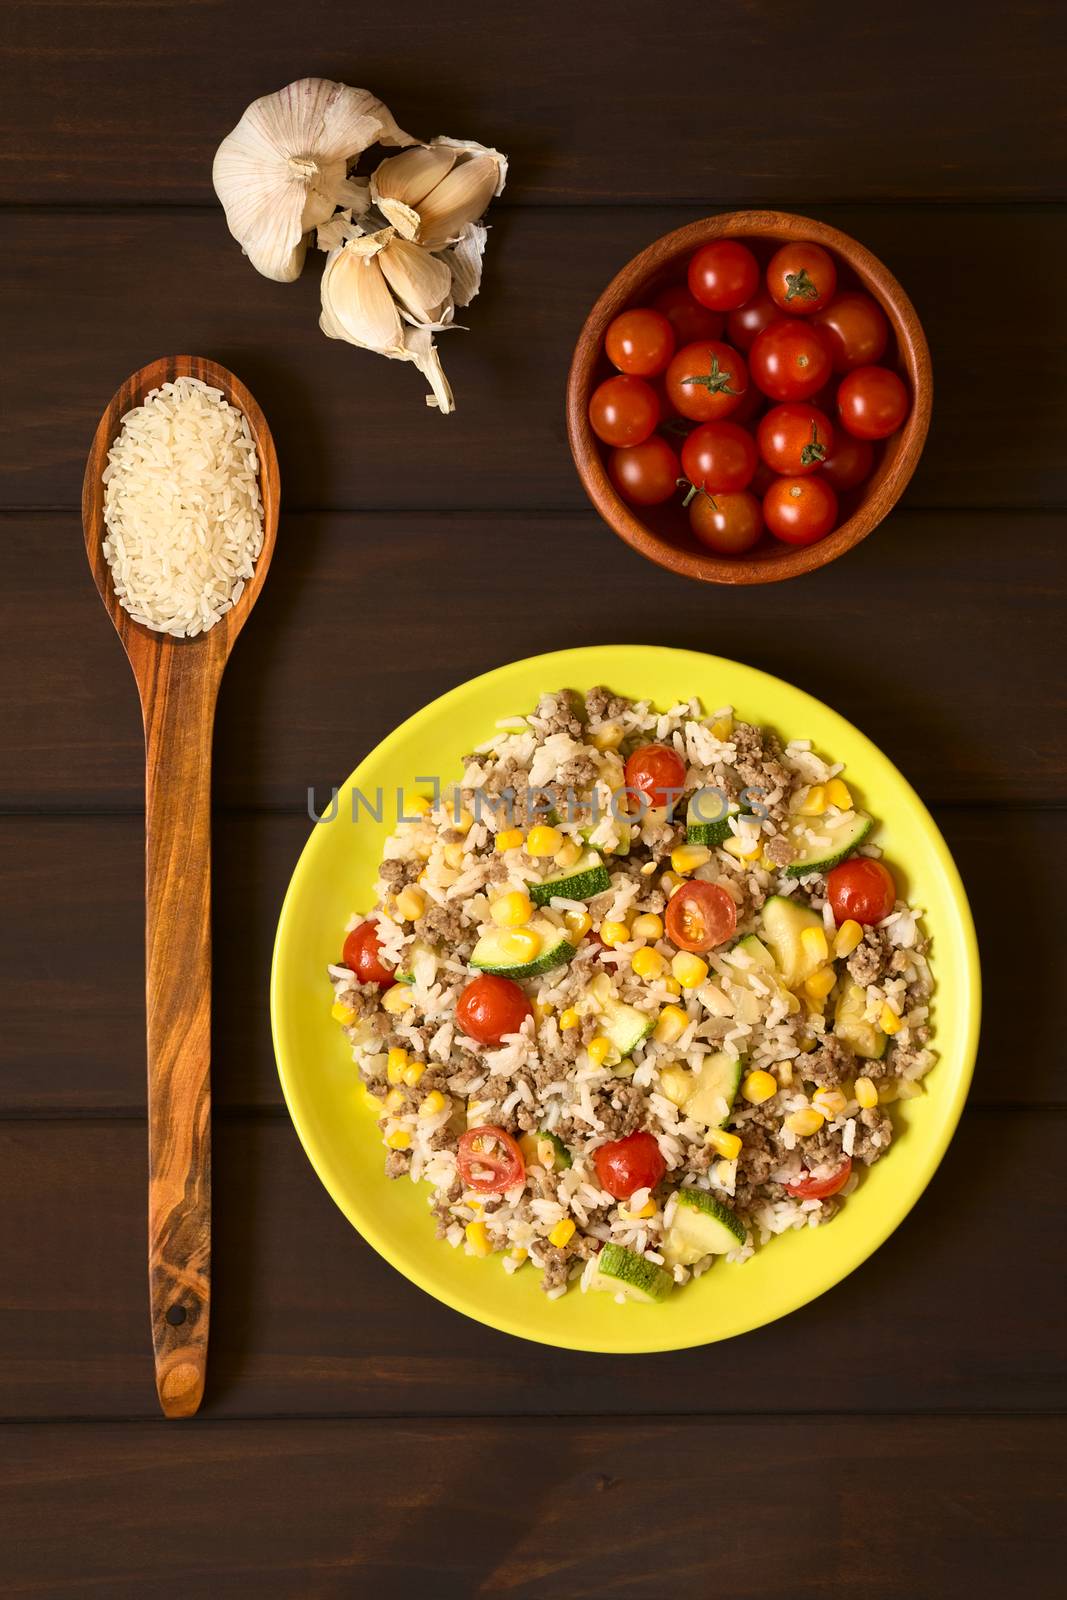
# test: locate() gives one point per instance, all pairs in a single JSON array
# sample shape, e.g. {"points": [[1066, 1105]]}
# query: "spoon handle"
{"points": [[179, 704]]}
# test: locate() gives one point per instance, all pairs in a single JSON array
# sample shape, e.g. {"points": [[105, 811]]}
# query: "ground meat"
{"points": [[555, 1265], [579, 773], [698, 1158], [559, 712], [397, 1163], [589, 1029], [779, 850], [395, 874], [868, 961], [363, 998], [822, 1149], [873, 1125], [442, 925], [758, 765], [758, 1159], [829, 1064], [602, 706], [622, 1110], [903, 1058], [466, 1073]]}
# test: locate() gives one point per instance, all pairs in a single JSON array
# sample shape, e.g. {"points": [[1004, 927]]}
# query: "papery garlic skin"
{"points": [[284, 168]]}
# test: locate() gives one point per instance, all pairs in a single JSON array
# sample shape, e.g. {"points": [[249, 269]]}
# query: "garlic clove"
{"points": [[403, 218], [461, 197], [421, 282], [410, 176], [356, 302]]}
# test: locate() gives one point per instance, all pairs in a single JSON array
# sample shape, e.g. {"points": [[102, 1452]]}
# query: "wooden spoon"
{"points": [[178, 681]]}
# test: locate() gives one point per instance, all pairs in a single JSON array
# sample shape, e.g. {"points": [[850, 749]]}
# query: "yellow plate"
{"points": [[336, 1124]]}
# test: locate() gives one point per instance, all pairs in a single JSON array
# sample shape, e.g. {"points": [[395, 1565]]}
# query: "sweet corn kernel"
{"points": [[519, 1254], [814, 943], [688, 857], [462, 821], [820, 983], [395, 1101], [725, 1171], [814, 802], [722, 728], [410, 904], [607, 737], [647, 1210], [400, 1140], [413, 1072], [805, 1122], [562, 1233], [568, 853], [737, 846], [599, 1049], [568, 1019], [512, 910], [417, 805], [648, 963], [758, 1086], [670, 883], [477, 1238], [394, 1072], [672, 985], [689, 969], [578, 923], [509, 839], [519, 945], [342, 1013], [866, 1093], [831, 1102], [647, 926], [543, 841], [671, 1025], [397, 1057], [725, 1144], [849, 936], [614, 932], [541, 1010], [783, 1071], [434, 1102], [372, 1099], [397, 999], [888, 1020], [887, 1093], [839, 794], [453, 855]]}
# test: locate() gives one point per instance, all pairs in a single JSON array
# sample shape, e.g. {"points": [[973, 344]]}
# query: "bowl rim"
{"points": [[573, 666], [789, 561]]}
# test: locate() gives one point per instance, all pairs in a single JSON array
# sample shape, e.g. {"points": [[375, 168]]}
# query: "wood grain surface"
{"points": [[902, 1436]]}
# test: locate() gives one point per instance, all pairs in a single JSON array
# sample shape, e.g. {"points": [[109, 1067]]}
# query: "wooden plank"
{"points": [[306, 1319], [955, 1507], [126, 105], [365, 619], [352, 429], [85, 974]]}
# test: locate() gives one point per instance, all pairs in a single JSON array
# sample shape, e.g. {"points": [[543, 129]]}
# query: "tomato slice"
{"points": [[624, 1165], [700, 915], [489, 1160], [821, 1188]]}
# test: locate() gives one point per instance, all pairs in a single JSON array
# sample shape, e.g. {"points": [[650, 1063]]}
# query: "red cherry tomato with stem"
{"points": [[624, 410], [801, 278], [640, 342], [856, 328], [723, 275], [795, 438], [729, 524], [861, 890], [849, 463], [872, 402], [625, 1165], [689, 319], [656, 771], [706, 381], [489, 1160], [700, 916], [719, 456], [490, 1007], [790, 360], [749, 320], [821, 1188], [645, 474], [800, 510], [362, 954]]}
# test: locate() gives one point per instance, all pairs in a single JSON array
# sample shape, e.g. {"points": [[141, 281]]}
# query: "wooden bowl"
{"points": [[662, 532]]}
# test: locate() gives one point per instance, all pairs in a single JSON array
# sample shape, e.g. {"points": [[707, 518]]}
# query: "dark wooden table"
{"points": [[900, 1436]]}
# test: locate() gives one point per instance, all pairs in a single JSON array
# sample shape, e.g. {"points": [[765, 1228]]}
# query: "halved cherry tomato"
{"points": [[729, 524], [857, 329], [821, 1188], [362, 954], [795, 438], [689, 319], [490, 1007], [723, 275], [706, 380], [719, 456], [748, 320], [624, 1165], [489, 1160], [801, 278], [861, 889], [700, 916], [658, 772], [790, 360], [872, 402], [800, 510], [641, 342], [849, 462], [624, 410], [645, 474]]}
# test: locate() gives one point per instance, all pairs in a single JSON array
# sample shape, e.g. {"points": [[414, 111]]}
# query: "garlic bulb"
{"points": [[284, 168]]}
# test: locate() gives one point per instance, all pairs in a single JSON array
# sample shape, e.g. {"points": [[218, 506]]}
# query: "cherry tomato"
{"points": [[362, 954], [719, 456], [624, 410], [795, 438], [640, 342], [748, 320], [821, 1188], [872, 402], [857, 329], [700, 915], [723, 275], [790, 360], [849, 462], [490, 1007], [706, 380], [801, 278], [489, 1160], [627, 1164], [729, 524], [800, 510], [645, 474], [658, 772], [861, 889], [689, 319]]}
